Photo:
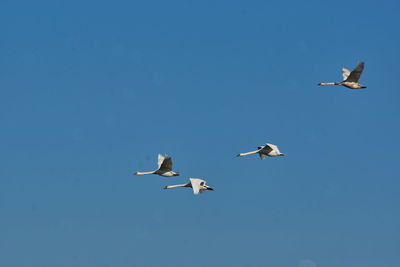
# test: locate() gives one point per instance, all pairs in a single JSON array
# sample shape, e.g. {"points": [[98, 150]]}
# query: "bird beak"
{"points": [[210, 188], [282, 154], [135, 173], [176, 174]]}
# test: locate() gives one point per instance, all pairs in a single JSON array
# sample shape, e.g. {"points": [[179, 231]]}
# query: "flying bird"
{"points": [[350, 79], [164, 167], [198, 185], [267, 150]]}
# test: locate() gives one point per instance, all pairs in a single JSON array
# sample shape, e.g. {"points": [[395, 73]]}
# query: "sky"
{"points": [[92, 91]]}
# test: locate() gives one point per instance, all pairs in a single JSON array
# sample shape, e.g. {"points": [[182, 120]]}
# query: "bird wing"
{"points": [[356, 73], [160, 160], [165, 164], [262, 156], [267, 148], [345, 73], [196, 184], [274, 148]]}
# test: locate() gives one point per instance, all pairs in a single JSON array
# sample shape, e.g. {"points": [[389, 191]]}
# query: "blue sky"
{"points": [[92, 91]]}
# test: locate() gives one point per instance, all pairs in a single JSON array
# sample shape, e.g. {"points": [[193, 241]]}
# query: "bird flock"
{"points": [[350, 80]]}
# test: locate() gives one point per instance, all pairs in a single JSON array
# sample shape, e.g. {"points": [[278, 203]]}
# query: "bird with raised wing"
{"points": [[198, 185], [269, 150], [350, 79], [164, 167]]}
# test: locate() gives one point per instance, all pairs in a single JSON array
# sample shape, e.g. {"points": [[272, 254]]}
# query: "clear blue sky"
{"points": [[91, 91]]}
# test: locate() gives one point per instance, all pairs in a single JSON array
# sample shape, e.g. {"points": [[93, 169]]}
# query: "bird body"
{"points": [[165, 174], [164, 167], [352, 85], [269, 150], [198, 185], [350, 79]]}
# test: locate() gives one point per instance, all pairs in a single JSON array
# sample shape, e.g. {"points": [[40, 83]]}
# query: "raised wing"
{"points": [[345, 73], [166, 163], [356, 73], [274, 148], [160, 160], [197, 184]]}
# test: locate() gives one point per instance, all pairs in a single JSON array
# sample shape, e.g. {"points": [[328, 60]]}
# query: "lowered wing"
{"points": [[196, 184], [267, 148]]}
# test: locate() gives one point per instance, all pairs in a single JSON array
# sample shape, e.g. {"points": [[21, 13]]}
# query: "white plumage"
{"points": [[269, 150], [164, 167], [198, 185], [350, 79]]}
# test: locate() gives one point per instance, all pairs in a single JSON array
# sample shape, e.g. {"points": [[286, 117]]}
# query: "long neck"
{"points": [[247, 153], [328, 84], [143, 173], [177, 185]]}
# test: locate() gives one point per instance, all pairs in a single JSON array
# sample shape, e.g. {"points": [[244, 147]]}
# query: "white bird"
{"points": [[350, 79], [164, 167], [267, 150], [198, 185]]}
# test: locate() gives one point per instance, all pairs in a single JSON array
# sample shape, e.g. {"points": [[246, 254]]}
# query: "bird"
{"points": [[164, 167], [267, 150], [198, 185], [350, 79]]}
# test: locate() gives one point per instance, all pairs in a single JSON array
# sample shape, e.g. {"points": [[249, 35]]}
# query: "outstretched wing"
{"points": [[262, 156], [196, 184], [345, 73], [356, 73], [165, 164]]}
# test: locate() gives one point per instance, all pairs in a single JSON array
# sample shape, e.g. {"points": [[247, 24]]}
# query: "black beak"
{"points": [[210, 188]]}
